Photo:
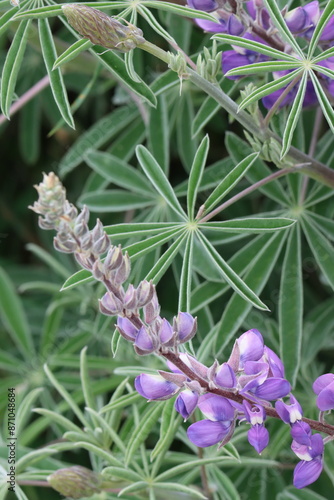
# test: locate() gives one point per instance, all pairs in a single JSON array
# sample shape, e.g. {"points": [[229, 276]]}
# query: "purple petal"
{"points": [[275, 363], [289, 413], [206, 5], [269, 100], [206, 433], [302, 451], [251, 346], [297, 20], [323, 381], [216, 407], [165, 332], [212, 27], [317, 446], [186, 402], [185, 326], [258, 437], [234, 26], [301, 433], [328, 32], [325, 400], [145, 341], [225, 376], [231, 60], [255, 414], [273, 388], [313, 11], [154, 387], [126, 328], [306, 473]]}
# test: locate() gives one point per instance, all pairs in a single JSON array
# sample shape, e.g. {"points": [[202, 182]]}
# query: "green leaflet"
{"points": [[291, 306], [56, 78], [196, 174], [73, 51], [12, 66], [158, 133], [186, 275], [294, 115], [259, 271]]}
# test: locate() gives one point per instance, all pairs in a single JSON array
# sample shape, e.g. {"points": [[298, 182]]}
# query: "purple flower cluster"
{"points": [[301, 22], [256, 373]]}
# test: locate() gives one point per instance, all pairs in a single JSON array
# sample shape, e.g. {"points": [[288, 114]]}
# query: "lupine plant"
{"points": [[203, 317]]}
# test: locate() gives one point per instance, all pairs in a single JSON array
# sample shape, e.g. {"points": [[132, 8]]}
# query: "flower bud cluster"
{"points": [[101, 29], [157, 334]]}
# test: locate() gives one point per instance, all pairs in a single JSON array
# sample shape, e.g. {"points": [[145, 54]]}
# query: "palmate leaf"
{"points": [[268, 88], [154, 23], [229, 275], [12, 66], [259, 272], [325, 224], [196, 174], [186, 145], [294, 115], [256, 47], [140, 229], [291, 306]]}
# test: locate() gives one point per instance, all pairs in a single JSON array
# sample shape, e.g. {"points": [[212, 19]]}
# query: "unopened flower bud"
{"points": [[122, 273], [113, 259], [110, 304], [185, 326], [145, 342], [75, 482], [67, 246], [145, 292], [155, 387], [186, 403], [166, 333], [101, 29], [130, 298], [152, 309], [101, 245], [127, 329], [97, 270]]}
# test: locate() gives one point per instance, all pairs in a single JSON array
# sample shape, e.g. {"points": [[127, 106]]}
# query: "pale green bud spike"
{"points": [[75, 482], [101, 29]]}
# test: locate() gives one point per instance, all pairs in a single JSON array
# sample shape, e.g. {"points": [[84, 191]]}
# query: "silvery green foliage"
{"points": [[168, 155]]}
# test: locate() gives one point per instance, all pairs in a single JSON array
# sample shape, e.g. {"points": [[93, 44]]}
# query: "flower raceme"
{"points": [[239, 389]]}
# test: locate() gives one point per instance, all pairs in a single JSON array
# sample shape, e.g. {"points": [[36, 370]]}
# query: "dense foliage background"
{"points": [[290, 269]]}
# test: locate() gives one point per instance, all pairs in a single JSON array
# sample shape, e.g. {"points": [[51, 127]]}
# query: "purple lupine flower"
{"points": [[185, 326], [110, 304], [258, 436], [226, 23], [298, 20], [225, 377], [192, 363], [219, 427], [154, 387], [324, 388], [289, 413], [186, 403], [255, 374], [310, 468], [248, 347]]}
